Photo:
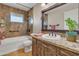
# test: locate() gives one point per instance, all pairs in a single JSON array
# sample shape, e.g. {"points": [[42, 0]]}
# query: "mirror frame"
{"points": [[51, 8]]}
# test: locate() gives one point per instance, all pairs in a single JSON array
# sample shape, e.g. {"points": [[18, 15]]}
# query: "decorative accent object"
{"points": [[2, 22], [72, 25]]}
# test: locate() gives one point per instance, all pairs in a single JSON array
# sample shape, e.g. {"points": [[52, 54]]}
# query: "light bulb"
{"points": [[43, 4]]}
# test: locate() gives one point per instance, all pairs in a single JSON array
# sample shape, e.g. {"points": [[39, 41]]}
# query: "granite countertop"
{"points": [[63, 43]]}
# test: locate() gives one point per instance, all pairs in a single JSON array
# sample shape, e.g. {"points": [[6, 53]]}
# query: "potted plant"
{"points": [[72, 25]]}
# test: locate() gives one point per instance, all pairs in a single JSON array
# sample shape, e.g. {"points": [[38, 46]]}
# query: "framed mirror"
{"points": [[58, 13]]}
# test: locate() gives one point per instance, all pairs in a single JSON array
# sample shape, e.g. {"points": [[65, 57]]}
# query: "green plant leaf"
{"points": [[72, 24]]}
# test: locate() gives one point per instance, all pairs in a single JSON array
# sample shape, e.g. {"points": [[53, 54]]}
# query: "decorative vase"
{"points": [[71, 36]]}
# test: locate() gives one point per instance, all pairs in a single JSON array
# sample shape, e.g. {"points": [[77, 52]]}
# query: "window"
{"points": [[15, 17]]}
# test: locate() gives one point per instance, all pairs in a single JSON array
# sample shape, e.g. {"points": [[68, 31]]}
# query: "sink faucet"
{"points": [[53, 28]]}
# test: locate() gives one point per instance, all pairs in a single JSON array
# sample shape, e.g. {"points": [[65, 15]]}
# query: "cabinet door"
{"points": [[63, 52], [52, 50], [40, 48], [34, 47], [45, 49]]}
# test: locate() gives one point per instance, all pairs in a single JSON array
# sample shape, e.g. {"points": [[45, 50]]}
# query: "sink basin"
{"points": [[46, 36]]}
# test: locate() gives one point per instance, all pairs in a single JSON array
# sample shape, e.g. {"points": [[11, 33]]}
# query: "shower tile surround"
{"points": [[5, 14]]}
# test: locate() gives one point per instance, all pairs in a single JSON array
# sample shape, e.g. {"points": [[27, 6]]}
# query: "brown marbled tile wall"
{"points": [[13, 29]]}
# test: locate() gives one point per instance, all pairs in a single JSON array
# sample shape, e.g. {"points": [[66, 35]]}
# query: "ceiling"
{"points": [[66, 7], [22, 6]]}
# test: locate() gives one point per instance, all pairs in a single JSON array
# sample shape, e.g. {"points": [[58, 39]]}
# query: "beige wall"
{"points": [[37, 18], [37, 24]]}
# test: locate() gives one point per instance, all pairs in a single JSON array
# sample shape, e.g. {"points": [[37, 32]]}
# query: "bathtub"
{"points": [[12, 44]]}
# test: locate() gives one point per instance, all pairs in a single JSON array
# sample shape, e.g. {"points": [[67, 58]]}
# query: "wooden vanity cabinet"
{"points": [[42, 48]]}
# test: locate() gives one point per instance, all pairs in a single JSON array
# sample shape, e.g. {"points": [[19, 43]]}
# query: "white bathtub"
{"points": [[12, 44]]}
